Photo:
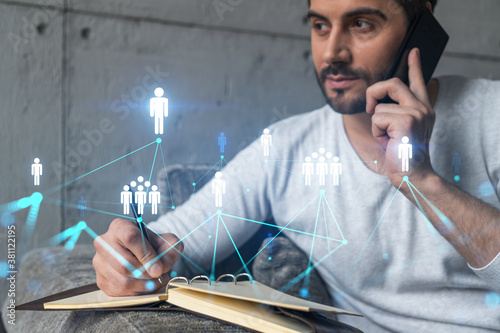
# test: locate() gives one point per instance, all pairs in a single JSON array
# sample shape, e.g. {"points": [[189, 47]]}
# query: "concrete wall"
{"points": [[76, 78]]}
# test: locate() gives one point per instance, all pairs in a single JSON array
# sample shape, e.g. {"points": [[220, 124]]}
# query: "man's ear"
{"points": [[429, 6]]}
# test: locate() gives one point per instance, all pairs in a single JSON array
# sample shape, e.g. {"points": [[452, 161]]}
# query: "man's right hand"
{"points": [[124, 237]]}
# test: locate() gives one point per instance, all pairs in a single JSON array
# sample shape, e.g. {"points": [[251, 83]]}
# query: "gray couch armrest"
{"points": [[48, 271]]}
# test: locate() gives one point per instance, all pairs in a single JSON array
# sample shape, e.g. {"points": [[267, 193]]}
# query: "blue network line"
{"points": [[429, 225], [168, 182], [215, 248], [444, 219], [290, 172], [29, 226], [158, 141], [72, 205], [307, 271], [326, 227], [55, 189], [279, 227], [154, 260], [375, 229], [306, 281], [343, 242], [236, 248], [229, 204], [232, 171], [202, 244]]}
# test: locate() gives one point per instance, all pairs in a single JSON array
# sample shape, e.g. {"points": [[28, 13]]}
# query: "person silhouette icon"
{"points": [[154, 199], [308, 170], [222, 141], [405, 153], [321, 170], [218, 188], [126, 199], [36, 171], [266, 141], [140, 199], [158, 109], [336, 170]]}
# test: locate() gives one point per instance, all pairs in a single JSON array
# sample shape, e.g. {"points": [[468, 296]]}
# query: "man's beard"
{"points": [[358, 103]]}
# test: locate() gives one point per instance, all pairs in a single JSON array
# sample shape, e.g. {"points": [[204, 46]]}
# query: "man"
{"points": [[411, 251]]}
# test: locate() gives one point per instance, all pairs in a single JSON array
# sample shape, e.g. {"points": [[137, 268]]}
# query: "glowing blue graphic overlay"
{"points": [[492, 299], [150, 285], [307, 271], [486, 189], [7, 219], [444, 219], [4, 269], [112, 251], [376, 226], [212, 277], [57, 188], [235, 247], [322, 198]]}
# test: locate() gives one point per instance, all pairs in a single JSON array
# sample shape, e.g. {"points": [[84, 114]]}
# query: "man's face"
{"points": [[353, 45]]}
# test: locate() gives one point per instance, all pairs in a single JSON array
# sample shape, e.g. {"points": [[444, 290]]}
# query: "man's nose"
{"points": [[337, 49]]}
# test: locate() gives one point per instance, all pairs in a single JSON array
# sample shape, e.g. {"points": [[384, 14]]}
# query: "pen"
{"points": [[139, 222], [138, 217]]}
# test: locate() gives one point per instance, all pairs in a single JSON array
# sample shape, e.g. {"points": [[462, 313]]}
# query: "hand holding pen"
{"points": [[114, 277]]}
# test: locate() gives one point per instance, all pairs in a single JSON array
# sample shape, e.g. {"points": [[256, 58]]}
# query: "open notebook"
{"points": [[246, 303]]}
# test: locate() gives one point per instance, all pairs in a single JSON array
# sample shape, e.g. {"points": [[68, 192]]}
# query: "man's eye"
{"points": [[319, 26], [362, 24]]}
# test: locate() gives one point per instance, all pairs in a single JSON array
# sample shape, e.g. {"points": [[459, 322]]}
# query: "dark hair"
{"points": [[411, 7]]}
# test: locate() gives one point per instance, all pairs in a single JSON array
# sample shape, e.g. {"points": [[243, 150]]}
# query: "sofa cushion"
{"points": [[50, 270]]}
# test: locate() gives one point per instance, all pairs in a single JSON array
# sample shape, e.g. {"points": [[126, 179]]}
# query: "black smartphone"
{"points": [[429, 36]]}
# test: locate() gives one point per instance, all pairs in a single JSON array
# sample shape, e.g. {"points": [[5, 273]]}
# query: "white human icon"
{"points": [[126, 199], [405, 153], [36, 171], [321, 170], [266, 140], [154, 199], [158, 109], [140, 199], [308, 170], [336, 170], [218, 188]]}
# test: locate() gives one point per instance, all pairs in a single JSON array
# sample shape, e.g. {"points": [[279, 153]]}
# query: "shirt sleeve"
{"points": [[490, 273], [489, 140]]}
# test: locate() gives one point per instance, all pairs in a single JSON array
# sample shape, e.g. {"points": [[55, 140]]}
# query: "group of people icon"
{"points": [[322, 169], [140, 197]]}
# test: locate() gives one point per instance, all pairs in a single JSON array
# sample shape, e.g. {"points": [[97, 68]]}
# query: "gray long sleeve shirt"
{"points": [[375, 250]]}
